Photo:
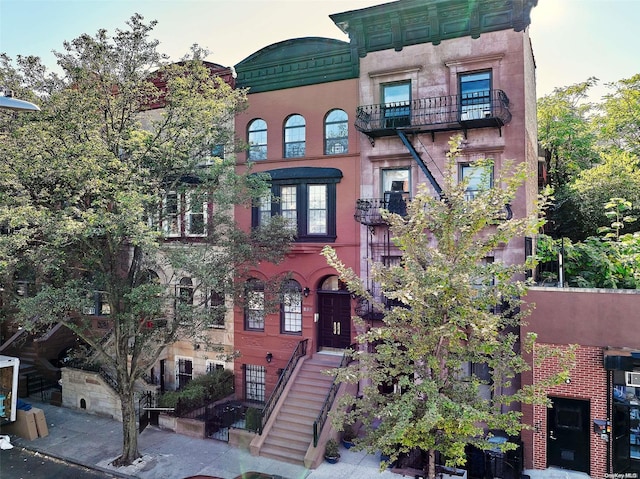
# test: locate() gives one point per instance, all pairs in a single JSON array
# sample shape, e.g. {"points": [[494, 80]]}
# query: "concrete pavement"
{"points": [[95, 441]]}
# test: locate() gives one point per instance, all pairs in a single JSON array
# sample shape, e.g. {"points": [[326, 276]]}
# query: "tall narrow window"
{"points": [[254, 308], [478, 177], [288, 206], [395, 190], [258, 140], [294, 137], [216, 308], [291, 309], [475, 96], [396, 98], [184, 372], [317, 210], [336, 133], [171, 214], [254, 383], [196, 214]]}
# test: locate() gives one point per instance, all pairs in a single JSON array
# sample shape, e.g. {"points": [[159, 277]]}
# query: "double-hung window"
{"points": [[257, 133], [196, 214], [478, 177], [254, 307], [306, 197], [395, 189], [291, 308], [475, 96], [336, 132], [396, 99], [294, 137], [171, 214]]}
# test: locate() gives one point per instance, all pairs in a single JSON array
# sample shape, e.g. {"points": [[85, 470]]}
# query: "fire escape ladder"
{"points": [[420, 162]]}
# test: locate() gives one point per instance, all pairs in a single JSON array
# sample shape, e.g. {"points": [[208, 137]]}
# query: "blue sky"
{"points": [[572, 39]]}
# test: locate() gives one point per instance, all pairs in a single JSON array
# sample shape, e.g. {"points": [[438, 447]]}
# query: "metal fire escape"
{"points": [[404, 119]]}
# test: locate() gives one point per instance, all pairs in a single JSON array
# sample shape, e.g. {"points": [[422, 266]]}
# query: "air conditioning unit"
{"points": [[633, 379]]}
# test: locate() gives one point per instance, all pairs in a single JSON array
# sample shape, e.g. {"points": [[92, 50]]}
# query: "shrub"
{"points": [[200, 390]]}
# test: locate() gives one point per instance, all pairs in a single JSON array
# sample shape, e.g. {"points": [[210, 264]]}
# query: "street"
{"points": [[20, 463]]}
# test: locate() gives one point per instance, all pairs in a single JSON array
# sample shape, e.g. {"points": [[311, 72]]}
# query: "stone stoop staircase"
{"points": [[292, 432]]}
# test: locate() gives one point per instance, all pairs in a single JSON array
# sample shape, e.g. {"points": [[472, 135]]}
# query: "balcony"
{"points": [[444, 113], [369, 210]]}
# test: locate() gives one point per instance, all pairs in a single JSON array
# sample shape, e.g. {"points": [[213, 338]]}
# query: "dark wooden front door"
{"points": [[334, 322], [568, 434]]}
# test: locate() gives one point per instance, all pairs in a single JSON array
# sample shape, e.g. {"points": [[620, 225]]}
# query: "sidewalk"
{"points": [[95, 441]]}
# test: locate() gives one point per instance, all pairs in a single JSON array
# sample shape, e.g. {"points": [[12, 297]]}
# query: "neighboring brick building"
{"points": [[592, 425]]}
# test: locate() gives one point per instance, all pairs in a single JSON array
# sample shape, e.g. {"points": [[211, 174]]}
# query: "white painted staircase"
{"points": [[292, 431]]}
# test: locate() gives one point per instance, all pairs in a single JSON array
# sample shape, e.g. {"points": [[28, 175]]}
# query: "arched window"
{"points": [[254, 307], [257, 140], [294, 137], [336, 132], [291, 308]]}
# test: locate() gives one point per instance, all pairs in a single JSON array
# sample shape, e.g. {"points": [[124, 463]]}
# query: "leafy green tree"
{"points": [[565, 132], [608, 261], [618, 116], [617, 176], [455, 309], [86, 182]]}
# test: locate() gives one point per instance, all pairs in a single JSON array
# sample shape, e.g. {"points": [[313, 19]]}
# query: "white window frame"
{"points": [[189, 214], [169, 219]]}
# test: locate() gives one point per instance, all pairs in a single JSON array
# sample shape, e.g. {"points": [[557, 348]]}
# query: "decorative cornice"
{"points": [[401, 23], [297, 62]]}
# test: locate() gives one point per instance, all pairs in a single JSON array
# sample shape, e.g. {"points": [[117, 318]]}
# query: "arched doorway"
{"points": [[334, 314]]}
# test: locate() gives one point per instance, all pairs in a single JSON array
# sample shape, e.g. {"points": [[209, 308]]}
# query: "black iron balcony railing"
{"points": [[452, 112], [369, 210]]}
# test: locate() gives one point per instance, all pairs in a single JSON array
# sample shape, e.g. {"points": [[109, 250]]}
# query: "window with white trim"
{"points": [[254, 308], [171, 214], [196, 214], [291, 308]]}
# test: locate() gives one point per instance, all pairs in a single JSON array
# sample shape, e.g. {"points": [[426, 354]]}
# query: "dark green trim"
{"points": [[409, 22], [297, 62]]}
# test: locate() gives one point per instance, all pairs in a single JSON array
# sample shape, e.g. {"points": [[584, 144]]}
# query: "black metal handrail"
{"points": [[442, 112], [299, 352], [320, 421]]}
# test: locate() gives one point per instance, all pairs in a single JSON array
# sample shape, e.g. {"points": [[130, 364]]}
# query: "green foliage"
{"points": [[447, 319], [201, 390], [591, 152], [253, 417], [610, 261], [81, 184], [332, 449]]}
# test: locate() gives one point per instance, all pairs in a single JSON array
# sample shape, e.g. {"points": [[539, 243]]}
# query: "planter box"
{"points": [[241, 438]]}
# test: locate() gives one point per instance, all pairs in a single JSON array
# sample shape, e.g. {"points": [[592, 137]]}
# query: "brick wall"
{"points": [[588, 382]]}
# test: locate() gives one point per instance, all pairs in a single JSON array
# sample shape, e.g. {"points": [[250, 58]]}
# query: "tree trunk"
{"points": [[129, 431], [431, 468]]}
